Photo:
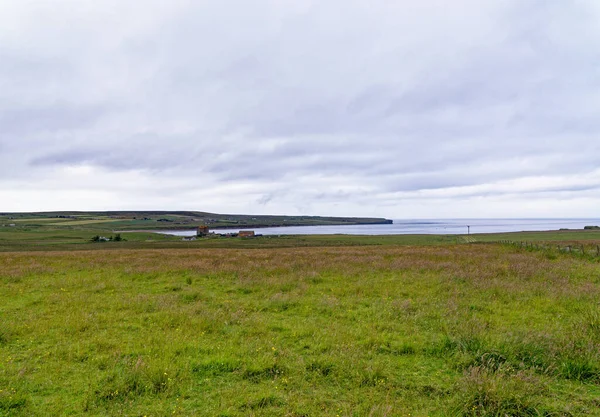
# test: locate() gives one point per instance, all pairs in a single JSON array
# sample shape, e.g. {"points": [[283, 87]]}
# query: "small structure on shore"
{"points": [[202, 231], [246, 233], [227, 234]]}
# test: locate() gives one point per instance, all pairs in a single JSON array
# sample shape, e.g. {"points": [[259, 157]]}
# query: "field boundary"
{"points": [[579, 249]]}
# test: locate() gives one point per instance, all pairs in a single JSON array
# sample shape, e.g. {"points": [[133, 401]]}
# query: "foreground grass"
{"points": [[465, 330]]}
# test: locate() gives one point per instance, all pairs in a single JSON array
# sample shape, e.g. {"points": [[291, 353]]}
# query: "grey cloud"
{"points": [[381, 99], [266, 198], [58, 117]]}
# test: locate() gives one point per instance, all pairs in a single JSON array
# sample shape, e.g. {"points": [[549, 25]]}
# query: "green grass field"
{"points": [[383, 330], [83, 222], [333, 325]]}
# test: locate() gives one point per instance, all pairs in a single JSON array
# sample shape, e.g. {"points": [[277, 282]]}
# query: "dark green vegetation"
{"points": [[439, 330]]}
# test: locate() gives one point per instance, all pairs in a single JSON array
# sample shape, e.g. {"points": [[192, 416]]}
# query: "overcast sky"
{"points": [[397, 108]]}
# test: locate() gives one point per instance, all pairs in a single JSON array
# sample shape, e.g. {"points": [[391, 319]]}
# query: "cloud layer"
{"points": [[396, 109]]}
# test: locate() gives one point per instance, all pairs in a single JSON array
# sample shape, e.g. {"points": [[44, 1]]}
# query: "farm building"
{"points": [[246, 233], [202, 231]]}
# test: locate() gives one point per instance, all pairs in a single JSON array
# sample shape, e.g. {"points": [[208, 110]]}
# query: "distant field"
{"points": [[26, 236], [546, 236], [83, 222], [79, 239], [40, 219], [439, 330], [134, 220]]}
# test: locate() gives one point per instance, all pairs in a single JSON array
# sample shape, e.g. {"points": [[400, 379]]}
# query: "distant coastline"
{"points": [[180, 220], [416, 227]]}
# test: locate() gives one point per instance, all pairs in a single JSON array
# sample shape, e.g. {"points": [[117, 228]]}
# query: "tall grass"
{"points": [[465, 330]]}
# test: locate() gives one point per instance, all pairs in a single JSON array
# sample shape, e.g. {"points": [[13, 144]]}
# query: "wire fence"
{"points": [[588, 250]]}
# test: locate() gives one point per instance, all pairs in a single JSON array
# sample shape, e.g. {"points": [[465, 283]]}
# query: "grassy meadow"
{"points": [[443, 329]]}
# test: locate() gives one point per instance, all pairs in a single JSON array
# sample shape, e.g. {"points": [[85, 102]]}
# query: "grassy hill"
{"points": [[152, 220]]}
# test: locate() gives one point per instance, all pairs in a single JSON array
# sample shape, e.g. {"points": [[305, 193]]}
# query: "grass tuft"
{"points": [[190, 297], [11, 402], [580, 369], [126, 383], [321, 368], [214, 368], [483, 394], [264, 402], [258, 374], [373, 377], [592, 319], [490, 361]]}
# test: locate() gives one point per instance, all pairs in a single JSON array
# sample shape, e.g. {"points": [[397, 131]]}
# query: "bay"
{"points": [[417, 226]]}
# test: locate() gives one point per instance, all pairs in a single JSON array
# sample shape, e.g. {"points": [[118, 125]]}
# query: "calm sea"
{"points": [[437, 226]]}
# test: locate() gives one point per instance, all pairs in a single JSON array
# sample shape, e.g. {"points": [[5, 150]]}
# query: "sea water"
{"points": [[418, 226]]}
